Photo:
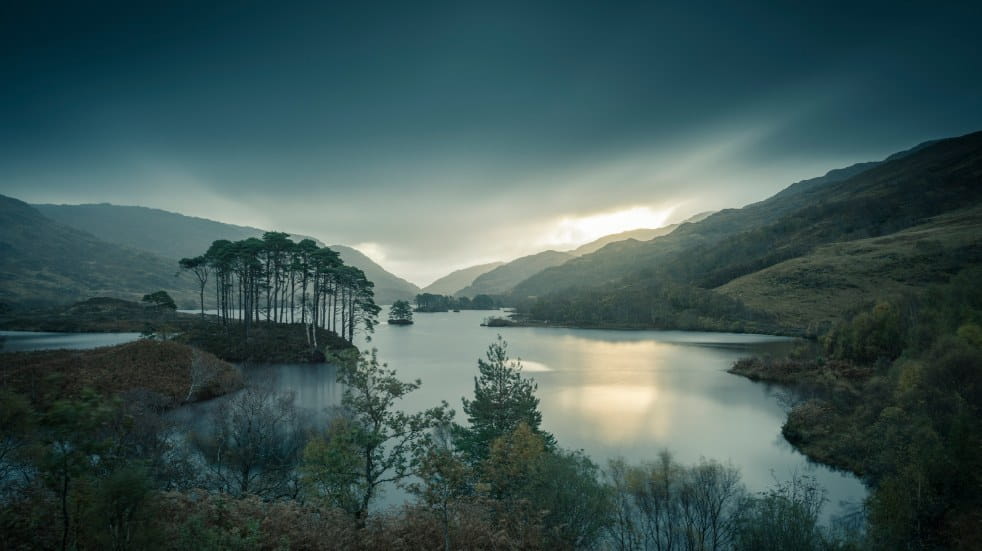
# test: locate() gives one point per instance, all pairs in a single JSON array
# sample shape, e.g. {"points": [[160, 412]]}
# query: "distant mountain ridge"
{"points": [[503, 278], [640, 234], [457, 280], [174, 236], [165, 233], [508, 273]]}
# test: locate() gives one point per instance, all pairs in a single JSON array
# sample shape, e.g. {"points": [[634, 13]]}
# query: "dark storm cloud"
{"points": [[401, 124]]}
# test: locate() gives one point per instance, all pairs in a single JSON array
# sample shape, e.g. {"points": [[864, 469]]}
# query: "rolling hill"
{"points": [[503, 278], [813, 291], [43, 262], [453, 282], [174, 236], [500, 277], [641, 234], [866, 201], [164, 233]]}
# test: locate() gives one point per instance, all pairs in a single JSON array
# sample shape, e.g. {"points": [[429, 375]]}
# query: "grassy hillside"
{"points": [[815, 290], [681, 252], [641, 234], [503, 278], [44, 262], [453, 282], [166, 234], [878, 201], [174, 236], [164, 368], [97, 314]]}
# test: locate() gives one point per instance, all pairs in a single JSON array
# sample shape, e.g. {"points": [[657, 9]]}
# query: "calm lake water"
{"points": [[21, 341], [612, 394]]}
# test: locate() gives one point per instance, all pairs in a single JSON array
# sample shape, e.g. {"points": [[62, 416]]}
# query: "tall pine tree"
{"points": [[503, 399]]}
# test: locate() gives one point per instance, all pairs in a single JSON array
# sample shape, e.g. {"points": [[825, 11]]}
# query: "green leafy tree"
{"points": [[120, 515], [482, 302], [401, 311], [784, 517], [503, 399], [332, 466], [541, 494], [72, 447], [385, 441], [444, 481], [17, 428], [199, 267], [161, 299]]}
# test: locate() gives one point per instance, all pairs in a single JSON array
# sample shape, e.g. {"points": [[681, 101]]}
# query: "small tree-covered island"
{"points": [[275, 298], [649, 276], [401, 313]]}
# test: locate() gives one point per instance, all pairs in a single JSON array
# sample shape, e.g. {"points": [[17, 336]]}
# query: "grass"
{"points": [[161, 367], [266, 342], [812, 292], [98, 315]]}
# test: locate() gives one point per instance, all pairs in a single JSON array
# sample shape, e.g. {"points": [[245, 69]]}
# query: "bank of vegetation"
{"points": [[171, 372], [894, 395], [429, 302], [97, 315]]}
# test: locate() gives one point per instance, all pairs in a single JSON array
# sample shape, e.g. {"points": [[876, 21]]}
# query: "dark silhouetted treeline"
{"points": [[428, 302], [276, 280]]}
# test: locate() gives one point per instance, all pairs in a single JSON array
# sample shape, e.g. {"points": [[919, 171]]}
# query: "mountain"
{"points": [[642, 234], [812, 291], [44, 262], [453, 282], [164, 233], [680, 272], [388, 288], [175, 236], [503, 278]]}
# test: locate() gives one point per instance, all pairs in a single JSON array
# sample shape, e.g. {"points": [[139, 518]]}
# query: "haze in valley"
{"points": [[437, 136]]}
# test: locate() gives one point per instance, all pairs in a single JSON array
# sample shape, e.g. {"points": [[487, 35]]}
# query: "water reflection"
{"points": [[623, 393], [313, 386], [612, 414]]}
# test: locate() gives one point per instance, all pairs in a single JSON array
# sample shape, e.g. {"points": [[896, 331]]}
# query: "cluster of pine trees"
{"points": [[276, 280]]}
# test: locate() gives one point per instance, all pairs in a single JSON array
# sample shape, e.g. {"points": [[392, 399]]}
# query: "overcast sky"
{"points": [[438, 135]]}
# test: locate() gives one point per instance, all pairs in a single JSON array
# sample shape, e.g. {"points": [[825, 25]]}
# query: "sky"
{"points": [[434, 136]]}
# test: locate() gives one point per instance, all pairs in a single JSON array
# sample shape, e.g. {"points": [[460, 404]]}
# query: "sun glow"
{"points": [[572, 231]]}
